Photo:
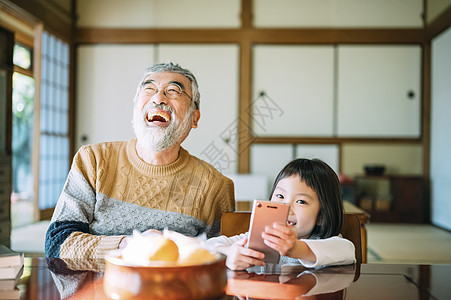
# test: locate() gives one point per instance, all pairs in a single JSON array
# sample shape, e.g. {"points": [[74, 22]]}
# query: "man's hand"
{"points": [[123, 242]]}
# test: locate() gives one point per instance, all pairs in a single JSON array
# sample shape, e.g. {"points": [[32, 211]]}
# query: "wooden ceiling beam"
{"points": [[248, 35]]}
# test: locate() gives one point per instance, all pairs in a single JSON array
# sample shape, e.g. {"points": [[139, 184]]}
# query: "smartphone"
{"points": [[265, 213]]}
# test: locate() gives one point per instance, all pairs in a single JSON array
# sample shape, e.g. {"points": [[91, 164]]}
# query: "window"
{"points": [[49, 113], [22, 195], [22, 57], [54, 129]]}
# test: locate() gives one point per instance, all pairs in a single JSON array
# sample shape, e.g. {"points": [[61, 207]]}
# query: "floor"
{"points": [[21, 212], [30, 238], [393, 243], [407, 243]]}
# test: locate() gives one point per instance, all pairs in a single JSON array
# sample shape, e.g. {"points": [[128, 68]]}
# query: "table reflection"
{"points": [[83, 279], [291, 281], [70, 276]]}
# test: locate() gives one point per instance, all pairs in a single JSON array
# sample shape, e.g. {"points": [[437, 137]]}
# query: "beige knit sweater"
{"points": [[110, 192]]}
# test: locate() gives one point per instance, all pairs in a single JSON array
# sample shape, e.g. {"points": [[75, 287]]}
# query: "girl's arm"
{"points": [[332, 251], [238, 256], [301, 250], [311, 253]]}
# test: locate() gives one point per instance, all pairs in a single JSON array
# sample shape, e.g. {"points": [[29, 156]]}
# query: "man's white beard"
{"points": [[160, 138]]}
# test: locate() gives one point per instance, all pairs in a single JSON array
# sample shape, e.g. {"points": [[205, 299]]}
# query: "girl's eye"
{"points": [[279, 196], [301, 202]]}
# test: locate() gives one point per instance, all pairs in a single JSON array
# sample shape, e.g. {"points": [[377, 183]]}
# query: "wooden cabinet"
{"points": [[394, 199]]}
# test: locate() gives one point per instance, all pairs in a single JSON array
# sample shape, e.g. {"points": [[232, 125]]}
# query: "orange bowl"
{"points": [[163, 281]]}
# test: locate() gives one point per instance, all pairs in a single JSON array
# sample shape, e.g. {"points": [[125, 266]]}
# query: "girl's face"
{"points": [[303, 201]]}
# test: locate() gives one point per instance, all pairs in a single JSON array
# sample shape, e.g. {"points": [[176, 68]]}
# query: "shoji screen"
{"points": [[54, 123]]}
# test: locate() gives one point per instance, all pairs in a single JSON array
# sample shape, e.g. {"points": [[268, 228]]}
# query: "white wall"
{"points": [[106, 85], [216, 70], [158, 13], [107, 74], [338, 13], [440, 131], [435, 8]]}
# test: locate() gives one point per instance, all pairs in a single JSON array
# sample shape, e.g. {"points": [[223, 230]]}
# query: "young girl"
{"points": [[310, 235]]}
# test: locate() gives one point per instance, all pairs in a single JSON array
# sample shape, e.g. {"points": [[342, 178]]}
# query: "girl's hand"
{"points": [[241, 258], [280, 237]]}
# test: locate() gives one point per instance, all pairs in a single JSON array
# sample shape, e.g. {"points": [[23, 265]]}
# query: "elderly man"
{"points": [[147, 183]]}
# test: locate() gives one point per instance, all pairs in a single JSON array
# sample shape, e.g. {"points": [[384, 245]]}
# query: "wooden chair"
{"points": [[234, 223], [351, 230]]}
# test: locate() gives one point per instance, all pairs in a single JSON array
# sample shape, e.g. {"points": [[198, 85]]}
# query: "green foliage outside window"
{"points": [[23, 108]]}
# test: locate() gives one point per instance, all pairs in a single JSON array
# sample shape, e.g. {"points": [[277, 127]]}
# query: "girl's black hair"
{"points": [[320, 177]]}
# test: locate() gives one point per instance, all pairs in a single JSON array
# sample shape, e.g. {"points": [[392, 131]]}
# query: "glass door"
{"points": [[22, 196]]}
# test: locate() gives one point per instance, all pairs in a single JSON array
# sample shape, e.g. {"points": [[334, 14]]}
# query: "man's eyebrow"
{"points": [[147, 82], [177, 83], [170, 82]]}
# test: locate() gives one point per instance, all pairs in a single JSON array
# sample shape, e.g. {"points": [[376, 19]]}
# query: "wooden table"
{"points": [[52, 279]]}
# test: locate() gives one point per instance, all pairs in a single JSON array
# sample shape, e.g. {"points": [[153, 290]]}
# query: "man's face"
{"points": [[160, 122]]}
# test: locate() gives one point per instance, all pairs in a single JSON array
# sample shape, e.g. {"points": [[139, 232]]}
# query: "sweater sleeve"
{"points": [[332, 251], [80, 245], [69, 234]]}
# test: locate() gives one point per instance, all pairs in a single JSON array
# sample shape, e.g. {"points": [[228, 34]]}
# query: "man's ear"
{"points": [[196, 118]]}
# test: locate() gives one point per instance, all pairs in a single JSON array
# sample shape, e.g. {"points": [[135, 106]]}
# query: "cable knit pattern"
{"points": [[111, 190]]}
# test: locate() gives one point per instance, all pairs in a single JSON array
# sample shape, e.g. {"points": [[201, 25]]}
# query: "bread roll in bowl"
{"points": [[168, 266], [141, 250]]}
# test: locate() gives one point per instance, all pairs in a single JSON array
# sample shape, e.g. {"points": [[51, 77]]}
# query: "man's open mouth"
{"points": [[158, 116]]}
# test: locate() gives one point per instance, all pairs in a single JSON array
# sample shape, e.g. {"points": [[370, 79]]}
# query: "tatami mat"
{"points": [[30, 238], [408, 243]]}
